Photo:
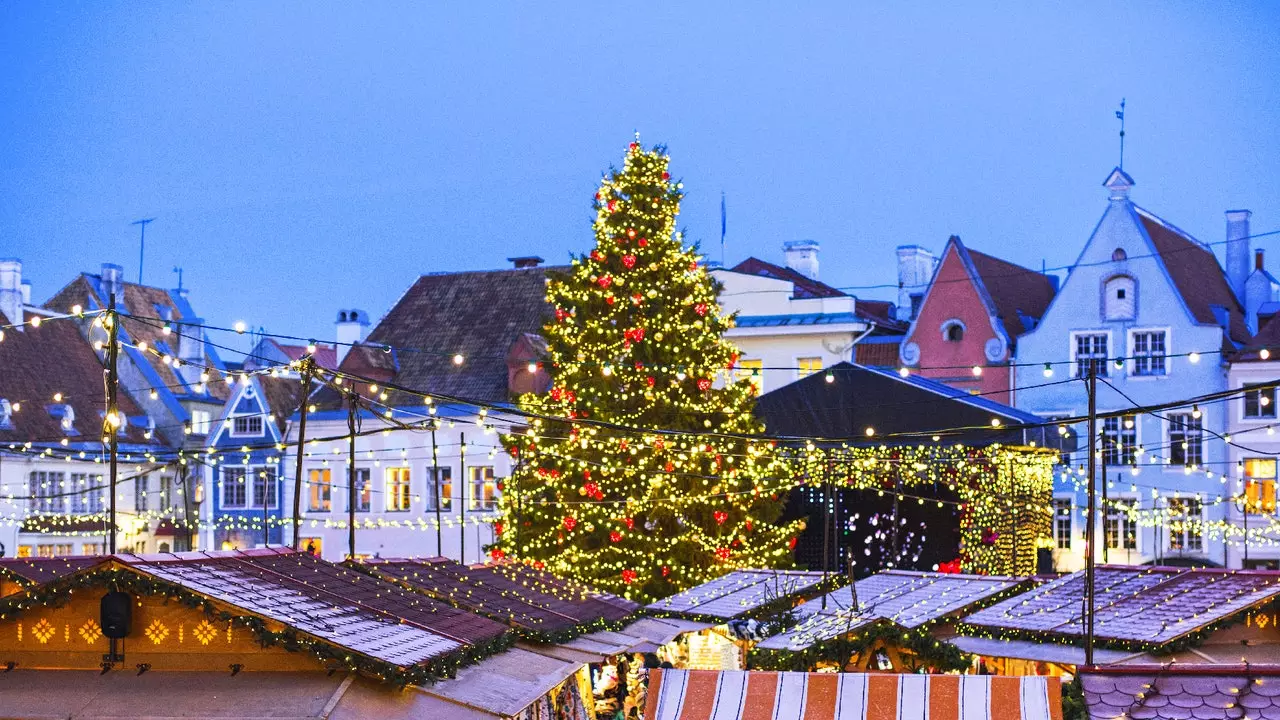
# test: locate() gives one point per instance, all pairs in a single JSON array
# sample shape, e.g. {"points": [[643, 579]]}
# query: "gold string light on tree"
{"points": [[637, 340]]}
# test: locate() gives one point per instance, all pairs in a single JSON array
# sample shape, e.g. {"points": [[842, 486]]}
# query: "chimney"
{"points": [[525, 261], [802, 256], [112, 281], [191, 340], [26, 292], [1238, 250], [11, 302], [1257, 291], [915, 270], [351, 328]]}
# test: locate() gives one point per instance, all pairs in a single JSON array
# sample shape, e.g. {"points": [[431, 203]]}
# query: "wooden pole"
{"points": [[113, 413], [435, 478], [1091, 520], [308, 367], [351, 475], [462, 506]]}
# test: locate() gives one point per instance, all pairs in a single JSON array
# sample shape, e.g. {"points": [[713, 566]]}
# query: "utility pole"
{"points": [[1091, 520], [351, 475], [462, 506], [113, 411], [142, 240], [308, 367], [435, 478], [1106, 508]]}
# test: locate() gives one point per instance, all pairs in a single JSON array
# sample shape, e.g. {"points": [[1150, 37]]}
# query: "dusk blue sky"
{"points": [[299, 158]]}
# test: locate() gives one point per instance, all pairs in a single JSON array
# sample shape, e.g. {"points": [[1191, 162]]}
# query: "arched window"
{"points": [[1119, 298], [953, 331], [1119, 254]]}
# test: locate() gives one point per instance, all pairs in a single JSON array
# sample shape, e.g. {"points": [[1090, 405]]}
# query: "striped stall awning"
{"points": [[753, 695]]}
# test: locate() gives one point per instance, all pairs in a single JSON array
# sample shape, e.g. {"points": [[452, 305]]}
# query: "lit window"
{"points": [[201, 420], [398, 496], [751, 371], [1148, 353], [484, 489], [24, 551], [320, 489], [807, 366], [46, 490], [1260, 485], [246, 426]]}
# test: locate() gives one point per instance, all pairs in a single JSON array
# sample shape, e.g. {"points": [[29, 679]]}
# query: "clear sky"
{"points": [[299, 158]]}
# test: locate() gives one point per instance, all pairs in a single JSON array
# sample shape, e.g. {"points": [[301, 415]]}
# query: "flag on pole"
{"points": [[723, 225]]}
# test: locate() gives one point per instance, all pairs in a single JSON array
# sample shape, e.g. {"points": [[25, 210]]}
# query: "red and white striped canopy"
{"points": [[752, 695]]}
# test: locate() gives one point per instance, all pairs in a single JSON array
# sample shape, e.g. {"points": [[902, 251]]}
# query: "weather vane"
{"points": [[1120, 117]]}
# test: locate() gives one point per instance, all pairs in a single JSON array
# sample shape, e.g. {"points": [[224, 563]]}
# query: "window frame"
{"points": [[242, 488], [805, 366], [1253, 505], [1175, 446], [1127, 451], [398, 498], [270, 486], [319, 492], [478, 481], [1104, 366], [234, 429], [1126, 532], [1258, 416], [364, 496], [51, 500], [1188, 540], [751, 370], [1132, 362], [435, 487], [1058, 516]]}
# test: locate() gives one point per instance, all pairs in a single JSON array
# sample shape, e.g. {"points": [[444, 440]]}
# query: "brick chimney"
{"points": [[350, 328], [11, 301], [802, 256], [112, 277], [1238, 251]]}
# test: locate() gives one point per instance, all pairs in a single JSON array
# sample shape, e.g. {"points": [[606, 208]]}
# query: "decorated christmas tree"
{"points": [[645, 477]]}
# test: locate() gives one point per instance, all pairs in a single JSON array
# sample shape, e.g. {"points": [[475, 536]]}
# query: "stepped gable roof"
{"points": [[1017, 292], [144, 311], [1182, 691], [55, 358], [474, 314], [1134, 604], [508, 592], [1196, 275], [738, 593]]}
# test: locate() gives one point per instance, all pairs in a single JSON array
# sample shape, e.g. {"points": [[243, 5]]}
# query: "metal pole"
{"points": [[462, 506], [266, 532], [435, 478], [351, 475], [1106, 508], [1091, 520], [113, 418], [307, 369], [1014, 518]]}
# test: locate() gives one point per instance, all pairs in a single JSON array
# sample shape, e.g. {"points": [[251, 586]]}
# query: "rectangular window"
{"points": [[441, 490], [264, 487], [807, 366], [1149, 353], [484, 489], [166, 492], [1091, 351], [201, 421], [751, 371], [1062, 523], [24, 551], [1120, 529], [1184, 524], [1186, 439], [364, 490], [141, 489], [1260, 485], [44, 551], [234, 490], [1260, 402], [319, 489], [1119, 440], [46, 491], [398, 495], [88, 489], [63, 549], [91, 548], [246, 426]]}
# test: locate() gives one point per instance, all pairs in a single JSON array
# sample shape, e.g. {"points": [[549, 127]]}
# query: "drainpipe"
{"points": [[854, 344]]}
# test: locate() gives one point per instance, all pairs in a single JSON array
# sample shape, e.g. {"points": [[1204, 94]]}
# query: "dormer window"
{"points": [[953, 331], [246, 426], [1119, 299]]}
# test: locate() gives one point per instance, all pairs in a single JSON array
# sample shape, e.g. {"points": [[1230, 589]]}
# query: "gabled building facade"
{"points": [[790, 325], [1150, 308], [965, 326]]}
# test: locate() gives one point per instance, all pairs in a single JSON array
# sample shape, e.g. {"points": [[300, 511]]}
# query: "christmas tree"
{"points": [[644, 478]]}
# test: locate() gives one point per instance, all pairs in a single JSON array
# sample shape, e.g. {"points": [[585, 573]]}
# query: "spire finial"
{"points": [[1120, 117]]}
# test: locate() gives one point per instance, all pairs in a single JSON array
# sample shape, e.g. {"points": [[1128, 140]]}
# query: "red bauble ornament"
{"points": [[538, 565], [722, 554], [629, 261], [597, 256], [700, 308], [791, 544], [561, 314], [704, 384], [630, 522], [643, 242], [668, 467], [497, 528], [615, 536], [666, 176], [570, 522], [634, 145], [609, 300], [604, 281], [628, 576], [613, 205], [665, 571], [496, 553], [748, 526], [720, 516], [649, 381]]}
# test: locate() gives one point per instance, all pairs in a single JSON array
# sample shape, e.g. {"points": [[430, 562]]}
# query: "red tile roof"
{"points": [[326, 356], [1196, 274], [1182, 692], [1016, 291], [878, 354], [1134, 604]]}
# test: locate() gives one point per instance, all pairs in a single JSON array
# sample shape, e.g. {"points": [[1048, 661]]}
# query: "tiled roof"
{"points": [[283, 396], [1196, 274], [510, 593], [1015, 290], [738, 593], [1268, 336], [1134, 604], [805, 287], [326, 356], [877, 354], [55, 358], [147, 303], [1183, 692], [879, 312], [905, 598], [475, 314]]}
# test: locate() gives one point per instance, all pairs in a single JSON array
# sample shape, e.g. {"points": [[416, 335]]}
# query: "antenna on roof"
{"points": [[1120, 117], [142, 247], [179, 271]]}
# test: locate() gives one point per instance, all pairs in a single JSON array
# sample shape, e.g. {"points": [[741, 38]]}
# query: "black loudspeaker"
{"points": [[116, 611], [1044, 561]]}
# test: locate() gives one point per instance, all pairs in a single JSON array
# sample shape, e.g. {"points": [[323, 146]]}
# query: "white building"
{"points": [[790, 324]]}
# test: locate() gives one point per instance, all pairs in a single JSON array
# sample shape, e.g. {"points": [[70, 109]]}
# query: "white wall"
{"points": [[1251, 439]]}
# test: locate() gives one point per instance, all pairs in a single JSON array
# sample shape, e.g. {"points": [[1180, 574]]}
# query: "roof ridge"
{"points": [[1173, 228]]}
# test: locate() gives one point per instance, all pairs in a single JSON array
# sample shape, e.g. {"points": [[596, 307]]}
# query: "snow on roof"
{"points": [[738, 593]]}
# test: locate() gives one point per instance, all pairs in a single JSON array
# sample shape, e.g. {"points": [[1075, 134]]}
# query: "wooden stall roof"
{"points": [[512, 593], [1180, 692], [504, 684], [730, 695], [737, 593], [36, 570], [1134, 604]]}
